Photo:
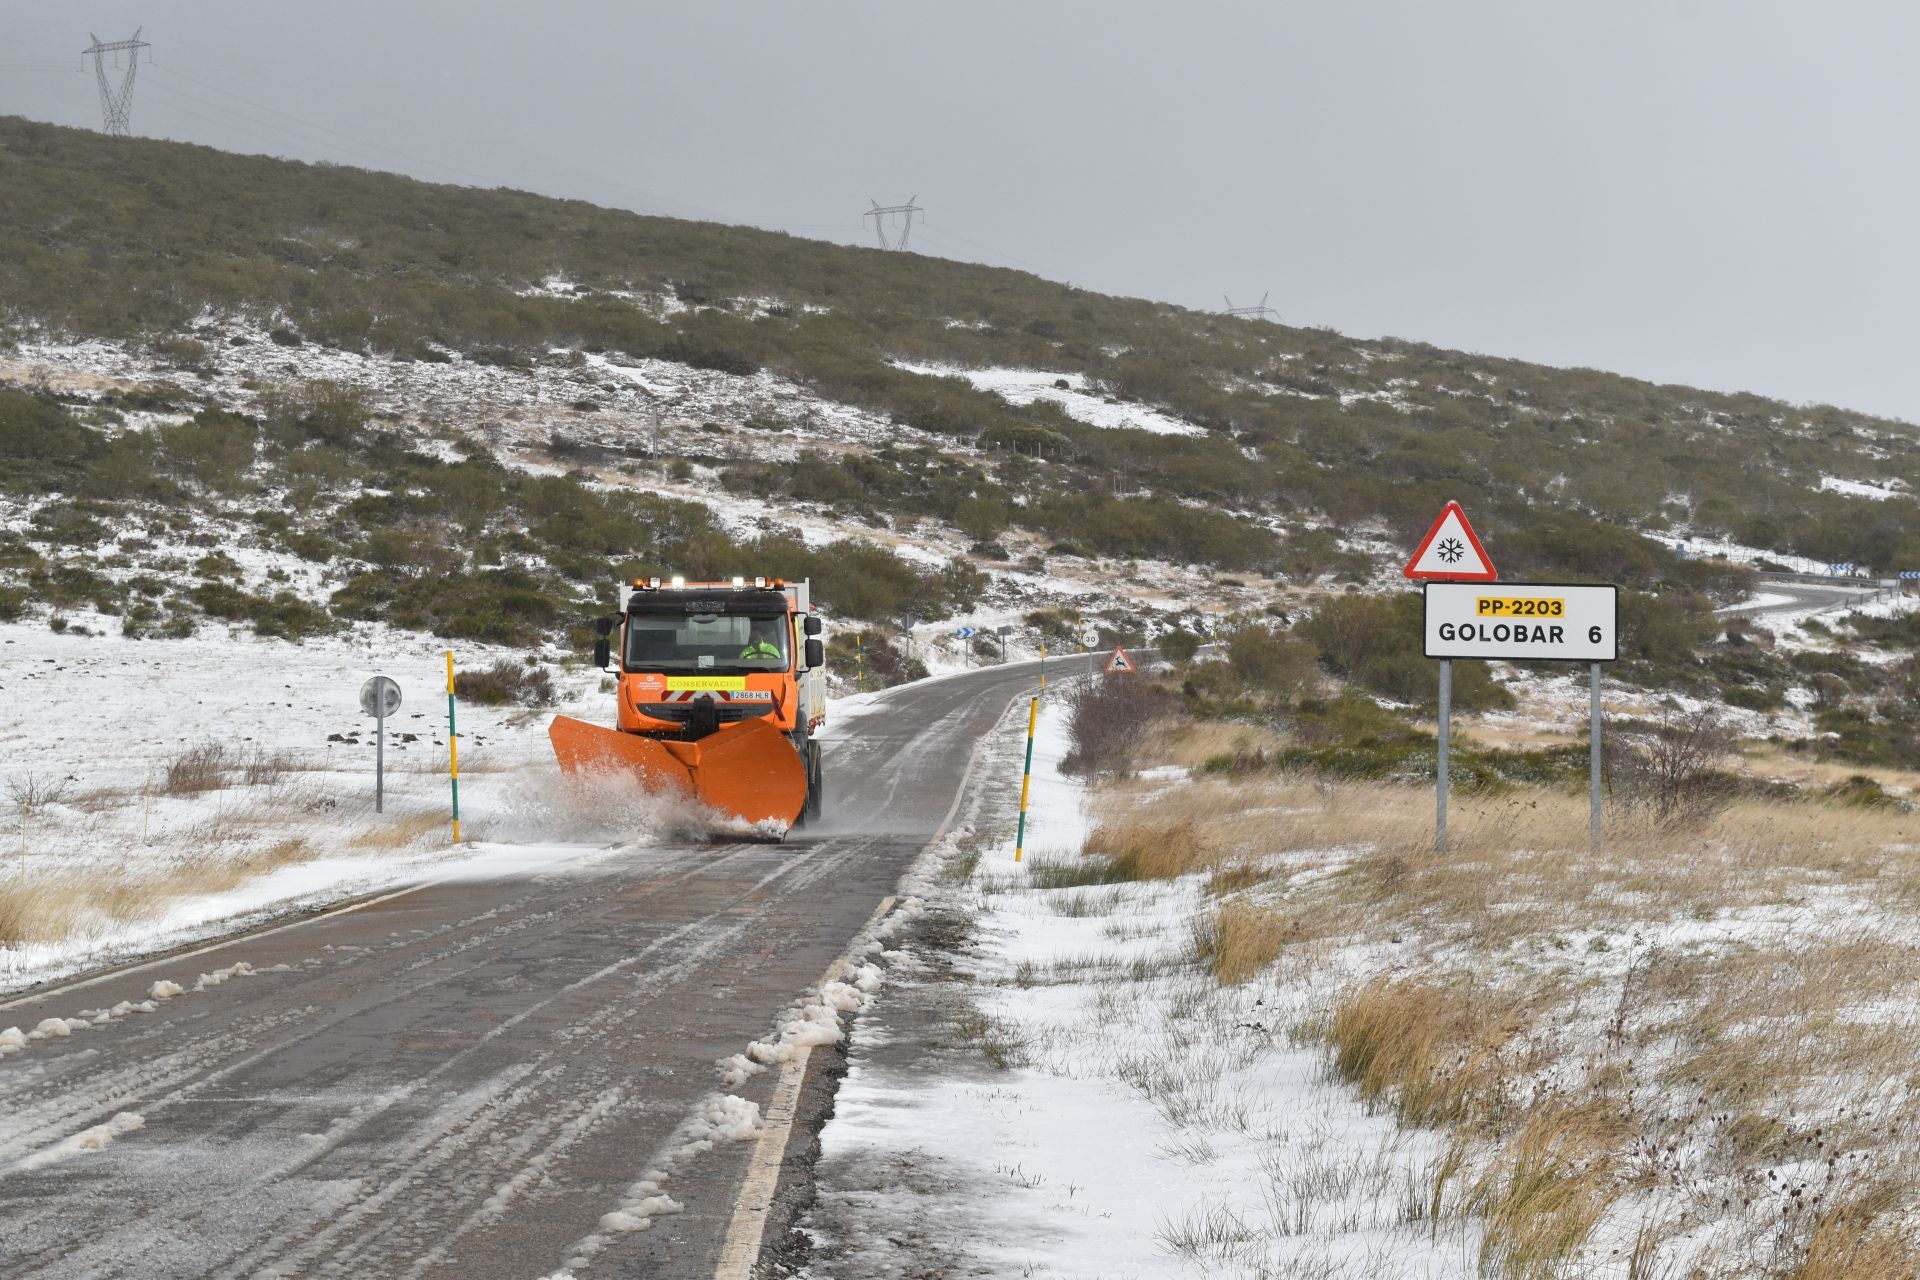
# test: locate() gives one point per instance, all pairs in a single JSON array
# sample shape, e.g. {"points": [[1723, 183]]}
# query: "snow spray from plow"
{"points": [[751, 772]]}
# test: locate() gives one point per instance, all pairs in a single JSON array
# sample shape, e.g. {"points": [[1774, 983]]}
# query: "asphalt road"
{"points": [[461, 1080], [1800, 597]]}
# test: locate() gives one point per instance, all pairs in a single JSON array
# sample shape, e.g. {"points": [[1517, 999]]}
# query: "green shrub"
{"points": [[1377, 642], [1177, 645], [504, 683], [283, 615]]}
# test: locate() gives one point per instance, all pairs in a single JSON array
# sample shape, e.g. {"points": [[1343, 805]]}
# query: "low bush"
{"points": [[199, 768], [1377, 642], [871, 660], [506, 682], [1669, 768], [282, 615], [1106, 718]]}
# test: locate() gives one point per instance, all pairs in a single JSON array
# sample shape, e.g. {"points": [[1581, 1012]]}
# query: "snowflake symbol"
{"points": [[1451, 550]]}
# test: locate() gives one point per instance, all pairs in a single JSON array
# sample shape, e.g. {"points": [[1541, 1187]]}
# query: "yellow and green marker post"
{"points": [[1026, 779], [453, 751]]}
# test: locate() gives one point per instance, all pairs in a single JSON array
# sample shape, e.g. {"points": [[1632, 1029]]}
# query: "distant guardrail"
{"points": [[1859, 591], [1826, 579]]}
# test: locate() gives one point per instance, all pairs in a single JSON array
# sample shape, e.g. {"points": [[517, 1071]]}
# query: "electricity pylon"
{"points": [[116, 105], [880, 215], [1260, 312]]}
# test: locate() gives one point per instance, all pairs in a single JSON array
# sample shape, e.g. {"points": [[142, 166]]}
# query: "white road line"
{"points": [[741, 1249]]}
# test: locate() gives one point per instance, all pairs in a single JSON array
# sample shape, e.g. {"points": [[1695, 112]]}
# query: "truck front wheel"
{"points": [[816, 794]]}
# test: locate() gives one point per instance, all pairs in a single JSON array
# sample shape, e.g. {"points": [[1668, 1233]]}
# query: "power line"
{"points": [[116, 104], [280, 144], [170, 70]]}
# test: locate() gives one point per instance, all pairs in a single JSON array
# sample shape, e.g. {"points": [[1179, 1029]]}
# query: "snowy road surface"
{"points": [[1782, 597], [471, 1078]]}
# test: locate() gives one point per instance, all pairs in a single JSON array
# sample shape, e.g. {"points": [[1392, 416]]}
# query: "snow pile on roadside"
{"points": [[719, 1118], [86, 1140]]}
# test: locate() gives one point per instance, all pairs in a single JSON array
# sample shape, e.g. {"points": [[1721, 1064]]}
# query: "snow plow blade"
{"points": [[746, 770]]}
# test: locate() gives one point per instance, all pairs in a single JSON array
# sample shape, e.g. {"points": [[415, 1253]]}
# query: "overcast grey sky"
{"points": [[1718, 192]]}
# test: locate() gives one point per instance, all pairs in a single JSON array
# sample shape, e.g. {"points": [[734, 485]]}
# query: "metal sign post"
{"points": [[380, 698], [1451, 552], [1445, 751], [1522, 621], [1593, 758]]}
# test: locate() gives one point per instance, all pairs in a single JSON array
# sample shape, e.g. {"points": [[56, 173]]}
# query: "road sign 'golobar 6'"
{"points": [[1523, 621]]}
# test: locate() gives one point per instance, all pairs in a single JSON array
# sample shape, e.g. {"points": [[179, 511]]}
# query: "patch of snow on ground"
{"points": [[1024, 386], [1862, 489]]}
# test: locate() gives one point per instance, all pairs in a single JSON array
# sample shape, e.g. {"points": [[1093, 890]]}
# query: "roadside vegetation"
{"points": [[1559, 465], [462, 547], [1320, 454], [1689, 1054]]}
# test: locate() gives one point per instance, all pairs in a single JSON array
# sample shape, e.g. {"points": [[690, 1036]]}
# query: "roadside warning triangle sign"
{"points": [[1450, 551], [1119, 661]]}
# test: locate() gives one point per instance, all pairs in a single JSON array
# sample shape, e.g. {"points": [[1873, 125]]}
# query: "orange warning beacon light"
{"points": [[1451, 551]]}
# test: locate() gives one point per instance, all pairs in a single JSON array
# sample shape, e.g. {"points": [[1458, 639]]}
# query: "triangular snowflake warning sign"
{"points": [[1119, 662], [1451, 552]]}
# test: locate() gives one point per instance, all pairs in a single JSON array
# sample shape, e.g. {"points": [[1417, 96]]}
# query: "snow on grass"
{"points": [[1103, 1108], [1024, 386], [189, 787], [1862, 489], [1707, 547]]}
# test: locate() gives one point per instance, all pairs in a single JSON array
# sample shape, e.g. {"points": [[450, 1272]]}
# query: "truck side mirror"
{"points": [[604, 626], [602, 653], [812, 624], [816, 654]]}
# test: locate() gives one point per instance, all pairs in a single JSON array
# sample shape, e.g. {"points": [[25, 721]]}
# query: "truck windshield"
{"points": [[722, 644]]}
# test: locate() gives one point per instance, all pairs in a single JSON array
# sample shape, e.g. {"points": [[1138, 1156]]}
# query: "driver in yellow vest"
{"points": [[760, 642]]}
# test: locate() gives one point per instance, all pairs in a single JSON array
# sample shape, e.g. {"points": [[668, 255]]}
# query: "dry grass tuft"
{"points": [[199, 768], [1431, 1051], [1158, 850], [1236, 878], [91, 903], [399, 832], [1545, 1190], [1849, 1241], [1190, 744], [1241, 939]]}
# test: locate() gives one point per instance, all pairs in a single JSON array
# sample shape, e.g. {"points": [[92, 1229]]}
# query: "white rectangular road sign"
{"points": [[1523, 621]]}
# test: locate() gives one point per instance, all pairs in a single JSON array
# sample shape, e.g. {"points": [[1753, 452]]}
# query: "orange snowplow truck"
{"points": [[722, 686]]}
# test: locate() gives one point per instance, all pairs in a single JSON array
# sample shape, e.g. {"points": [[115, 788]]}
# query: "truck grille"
{"points": [[722, 712]]}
